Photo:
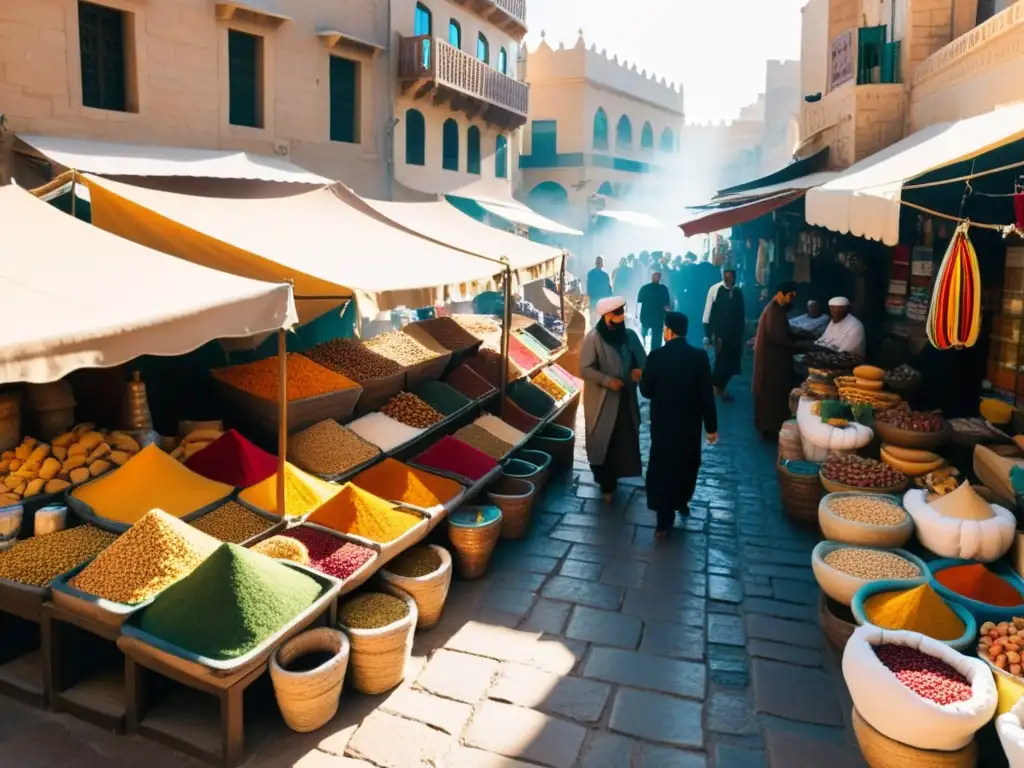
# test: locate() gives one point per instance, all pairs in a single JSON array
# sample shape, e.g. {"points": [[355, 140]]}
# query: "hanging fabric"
{"points": [[954, 317], [1018, 208]]}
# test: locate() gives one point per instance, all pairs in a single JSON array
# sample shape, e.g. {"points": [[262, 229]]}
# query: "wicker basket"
{"points": [[428, 591], [558, 441], [836, 621], [309, 700], [906, 438], [801, 495], [380, 656], [882, 752], [833, 487], [474, 542], [514, 497]]}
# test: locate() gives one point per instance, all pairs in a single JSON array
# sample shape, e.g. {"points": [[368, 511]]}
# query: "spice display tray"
{"points": [[93, 609], [87, 514], [390, 550], [263, 414], [475, 489], [981, 612], [431, 370], [22, 600], [965, 643], [468, 482], [343, 477], [376, 393], [279, 523]]}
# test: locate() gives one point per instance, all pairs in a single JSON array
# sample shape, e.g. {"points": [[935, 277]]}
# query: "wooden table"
{"points": [[24, 643]]}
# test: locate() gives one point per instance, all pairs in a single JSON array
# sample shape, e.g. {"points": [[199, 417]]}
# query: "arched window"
{"points": [[503, 61], [473, 150], [600, 130], [549, 197], [624, 134], [415, 138], [501, 157], [450, 145], [483, 49], [455, 33], [668, 141], [423, 26], [647, 137]]}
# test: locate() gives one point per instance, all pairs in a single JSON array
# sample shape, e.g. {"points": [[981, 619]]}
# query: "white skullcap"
{"points": [[839, 301], [612, 303]]}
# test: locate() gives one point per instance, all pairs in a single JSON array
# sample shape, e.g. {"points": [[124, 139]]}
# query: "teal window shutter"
{"points": [[415, 138], [101, 40], [870, 42], [344, 100], [501, 157], [473, 150], [243, 79], [450, 145]]}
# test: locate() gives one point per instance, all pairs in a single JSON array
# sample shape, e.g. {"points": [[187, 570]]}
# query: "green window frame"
{"points": [[501, 157], [244, 61], [415, 138], [101, 35], [344, 87], [450, 145], [473, 150]]}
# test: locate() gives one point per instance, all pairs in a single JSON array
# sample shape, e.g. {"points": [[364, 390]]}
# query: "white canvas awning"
{"points": [[77, 297], [108, 158], [865, 199], [513, 211]]}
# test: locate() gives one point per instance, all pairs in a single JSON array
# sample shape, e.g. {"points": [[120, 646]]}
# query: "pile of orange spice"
{"points": [[395, 481], [360, 513], [977, 582], [304, 378], [920, 609]]}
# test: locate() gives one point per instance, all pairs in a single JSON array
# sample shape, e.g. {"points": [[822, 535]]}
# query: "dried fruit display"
{"points": [[858, 472], [902, 417]]}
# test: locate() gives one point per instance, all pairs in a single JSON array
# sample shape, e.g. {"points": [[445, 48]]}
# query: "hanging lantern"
{"points": [[954, 317]]}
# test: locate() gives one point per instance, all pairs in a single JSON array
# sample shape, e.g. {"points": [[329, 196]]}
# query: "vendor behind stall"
{"points": [[813, 323], [845, 333]]}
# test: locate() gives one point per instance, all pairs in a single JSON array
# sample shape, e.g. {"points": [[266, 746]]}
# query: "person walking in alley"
{"points": [[654, 301], [612, 359], [725, 321], [599, 286], [774, 347], [677, 381]]}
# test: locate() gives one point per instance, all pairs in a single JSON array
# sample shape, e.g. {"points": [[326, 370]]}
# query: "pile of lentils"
{"points": [[283, 548], [411, 411], [479, 438], [487, 363], [328, 448], [871, 564], [872, 510], [442, 398], [330, 554], [415, 562], [372, 611], [859, 472], [468, 382], [351, 358], [402, 348], [233, 523], [39, 560], [304, 378], [478, 325], [449, 334], [925, 675]]}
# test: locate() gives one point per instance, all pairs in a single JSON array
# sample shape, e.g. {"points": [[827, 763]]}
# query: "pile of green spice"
{"points": [[441, 397], [230, 604], [372, 611], [415, 562]]}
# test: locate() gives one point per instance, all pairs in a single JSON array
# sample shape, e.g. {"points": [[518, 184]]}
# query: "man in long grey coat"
{"points": [[611, 364]]}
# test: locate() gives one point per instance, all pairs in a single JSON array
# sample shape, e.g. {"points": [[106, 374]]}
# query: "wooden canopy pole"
{"points": [[282, 418], [506, 330], [561, 289]]}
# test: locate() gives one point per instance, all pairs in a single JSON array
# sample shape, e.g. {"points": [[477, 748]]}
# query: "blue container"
{"points": [[982, 612], [965, 643]]}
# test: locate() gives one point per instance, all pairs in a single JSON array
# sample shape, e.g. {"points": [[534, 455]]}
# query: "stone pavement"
{"points": [[588, 644]]}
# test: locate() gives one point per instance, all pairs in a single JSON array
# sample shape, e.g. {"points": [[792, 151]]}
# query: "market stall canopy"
{"points": [[441, 222], [865, 199], [108, 158], [329, 249], [710, 220], [513, 211], [78, 297], [796, 170]]}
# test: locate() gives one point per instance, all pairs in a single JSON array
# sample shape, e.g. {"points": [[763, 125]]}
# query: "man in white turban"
{"points": [[845, 333]]}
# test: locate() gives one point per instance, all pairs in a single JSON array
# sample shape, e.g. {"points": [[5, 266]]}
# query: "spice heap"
{"points": [[504, 432], [420, 335], [468, 382], [442, 398], [853, 470], [516, 417], [977, 582], [39, 560], [233, 460], [302, 492], [372, 611], [919, 610], [415, 562], [531, 398], [544, 336], [150, 480], [478, 325], [360, 513], [230, 604], [233, 523], [871, 510], [411, 411], [402, 348], [532, 344], [871, 564], [394, 481], [454, 456], [477, 437], [1003, 644], [304, 378], [328, 448], [283, 548], [522, 355], [149, 557], [349, 357], [383, 431], [925, 675], [487, 363], [329, 554], [572, 383], [449, 333], [550, 385]]}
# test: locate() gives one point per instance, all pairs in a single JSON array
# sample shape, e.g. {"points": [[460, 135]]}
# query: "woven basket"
{"points": [[474, 546], [514, 497], [309, 700], [836, 621], [428, 591], [800, 495], [380, 656], [558, 441], [906, 438], [882, 752]]}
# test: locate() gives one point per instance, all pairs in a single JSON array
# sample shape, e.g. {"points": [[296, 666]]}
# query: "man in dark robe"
{"points": [[724, 324], [654, 301], [774, 347], [599, 286], [677, 381]]}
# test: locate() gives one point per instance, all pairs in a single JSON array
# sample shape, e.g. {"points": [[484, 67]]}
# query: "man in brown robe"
{"points": [[774, 346]]}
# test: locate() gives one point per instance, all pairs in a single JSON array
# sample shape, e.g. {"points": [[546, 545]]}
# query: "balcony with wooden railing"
{"points": [[431, 67], [509, 15]]}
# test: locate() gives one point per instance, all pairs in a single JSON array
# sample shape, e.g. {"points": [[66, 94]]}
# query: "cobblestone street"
{"points": [[588, 644]]}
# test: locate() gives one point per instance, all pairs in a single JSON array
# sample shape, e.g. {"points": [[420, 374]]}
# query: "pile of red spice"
{"points": [[521, 354], [454, 457], [925, 675], [517, 417], [233, 460], [329, 554], [469, 383], [979, 583]]}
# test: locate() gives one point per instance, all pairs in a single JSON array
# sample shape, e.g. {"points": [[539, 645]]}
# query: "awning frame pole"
{"points": [[282, 418], [506, 330], [561, 289], [74, 176]]}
